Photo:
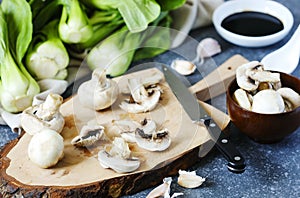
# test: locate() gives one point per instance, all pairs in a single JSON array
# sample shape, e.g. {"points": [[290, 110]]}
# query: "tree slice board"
{"points": [[79, 173]]}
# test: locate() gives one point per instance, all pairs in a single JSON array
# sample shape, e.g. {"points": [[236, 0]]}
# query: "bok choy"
{"points": [[47, 56], [115, 53], [137, 14], [74, 25], [17, 87]]}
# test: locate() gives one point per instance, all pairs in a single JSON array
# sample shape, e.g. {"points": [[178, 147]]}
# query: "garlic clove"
{"points": [[183, 67], [208, 47], [162, 190], [189, 179]]}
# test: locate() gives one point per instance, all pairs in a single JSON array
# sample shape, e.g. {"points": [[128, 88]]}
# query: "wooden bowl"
{"points": [[264, 128]]}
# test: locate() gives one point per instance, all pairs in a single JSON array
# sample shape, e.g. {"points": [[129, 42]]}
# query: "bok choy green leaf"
{"points": [[137, 14], [17, 87], [115, 53]]}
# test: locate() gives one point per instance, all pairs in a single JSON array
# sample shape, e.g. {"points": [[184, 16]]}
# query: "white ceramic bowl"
{"points": [[265, 6]]}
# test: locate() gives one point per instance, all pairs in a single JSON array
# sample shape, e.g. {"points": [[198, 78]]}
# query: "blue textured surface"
{"points": [[273, 170]]}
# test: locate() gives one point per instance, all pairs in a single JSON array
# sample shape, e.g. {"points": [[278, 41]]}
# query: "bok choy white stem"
{"points": [[74, 26], [47, 56]]}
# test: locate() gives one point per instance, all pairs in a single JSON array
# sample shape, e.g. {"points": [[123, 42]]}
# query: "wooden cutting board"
{"points": [[79, 173]]}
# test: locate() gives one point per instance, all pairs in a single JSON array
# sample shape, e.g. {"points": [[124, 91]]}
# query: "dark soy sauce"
{"points": [[252, 23]]}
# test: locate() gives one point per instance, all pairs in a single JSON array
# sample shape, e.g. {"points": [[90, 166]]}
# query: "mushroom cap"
{"points": [[94, 97], [268, 101], [33, 124], [46, 148]]}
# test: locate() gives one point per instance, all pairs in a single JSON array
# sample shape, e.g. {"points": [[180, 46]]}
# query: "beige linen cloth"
{"points": [[193, 14]]}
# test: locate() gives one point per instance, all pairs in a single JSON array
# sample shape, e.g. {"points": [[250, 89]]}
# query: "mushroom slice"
{"points": [[189, 179], [147, 81], [241, 97], [142, 101], [268, 101], [242, 75], [157, 141], [45, 115], [264, 76], [118, 164], [118, 157], [183, 67], [126, 129], [88, 136], [290, 95]]}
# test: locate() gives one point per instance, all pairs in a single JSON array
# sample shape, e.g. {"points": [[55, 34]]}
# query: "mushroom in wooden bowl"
{"points": [[264, 105]]}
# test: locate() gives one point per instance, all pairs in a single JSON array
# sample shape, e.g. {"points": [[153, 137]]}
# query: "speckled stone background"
{"points": [[273, 170]]}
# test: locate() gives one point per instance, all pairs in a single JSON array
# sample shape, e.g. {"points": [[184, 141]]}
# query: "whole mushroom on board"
{"points": [[99, 92], [45, 115], [46, 148]]}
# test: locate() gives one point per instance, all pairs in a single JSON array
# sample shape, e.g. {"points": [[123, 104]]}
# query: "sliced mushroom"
{"points": [[45, 115], [242, 98], [99, 92], [88, 136], [46, 148], [268, 101], [118, 157], [149, 138], [264, 76], [290, 95], [189, 179], [142, 101], [147, 82], [242, 75], [126, 129], [183, 67]]}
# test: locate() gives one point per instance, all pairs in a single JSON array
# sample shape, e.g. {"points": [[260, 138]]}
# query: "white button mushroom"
{"points": [[268, 101], [46, 148], [99, 92], [45, 115]]}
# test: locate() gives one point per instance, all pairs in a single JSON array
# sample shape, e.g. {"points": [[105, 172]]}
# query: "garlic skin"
{"points": [[43, 116], [99, 92], [46, 148]]}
